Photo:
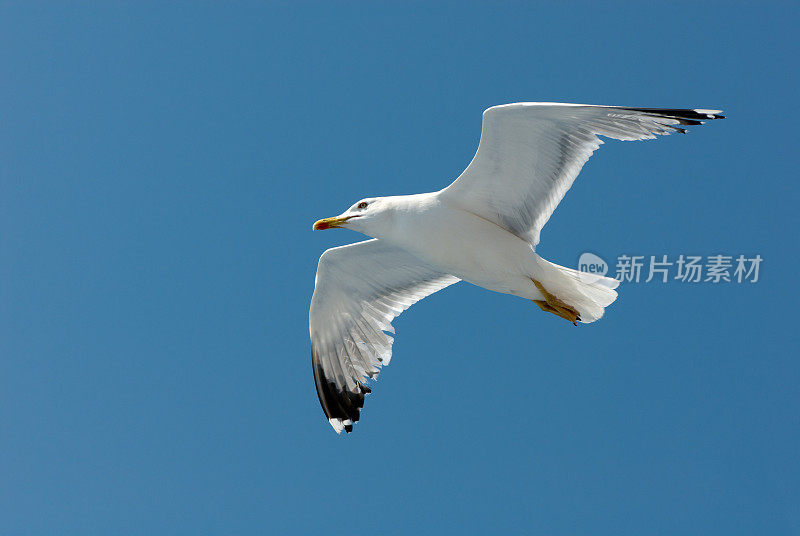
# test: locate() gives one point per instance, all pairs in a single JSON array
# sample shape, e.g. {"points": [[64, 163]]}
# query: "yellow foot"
{"points": [[551, 304]]}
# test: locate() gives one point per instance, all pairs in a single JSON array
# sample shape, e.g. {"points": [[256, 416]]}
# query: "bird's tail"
{"points": [[589, 293]]}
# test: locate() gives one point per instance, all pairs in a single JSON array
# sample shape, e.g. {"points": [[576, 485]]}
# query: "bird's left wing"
{"points": [[360, 288], [531, 152]]}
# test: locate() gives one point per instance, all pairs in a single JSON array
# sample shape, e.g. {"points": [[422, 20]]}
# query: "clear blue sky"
{"points": [[160, 169]]}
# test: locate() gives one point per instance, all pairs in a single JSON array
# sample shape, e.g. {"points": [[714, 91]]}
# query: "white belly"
{"points": [[473, 249]]}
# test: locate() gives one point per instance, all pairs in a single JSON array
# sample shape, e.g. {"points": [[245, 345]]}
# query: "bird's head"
{"points": [[364, 216]]}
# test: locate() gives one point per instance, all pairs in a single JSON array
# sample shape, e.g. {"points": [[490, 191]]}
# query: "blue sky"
{"points": [[160, 169]]}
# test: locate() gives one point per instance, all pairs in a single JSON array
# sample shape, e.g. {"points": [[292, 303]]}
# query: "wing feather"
{"points": [[530, 154], [359, 290]]}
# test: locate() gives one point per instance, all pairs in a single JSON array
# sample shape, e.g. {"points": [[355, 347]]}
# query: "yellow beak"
{"points": [[330, 223]]}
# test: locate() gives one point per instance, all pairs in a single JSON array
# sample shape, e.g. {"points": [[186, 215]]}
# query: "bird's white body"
{"points": [[444, 235], [483, 228]]}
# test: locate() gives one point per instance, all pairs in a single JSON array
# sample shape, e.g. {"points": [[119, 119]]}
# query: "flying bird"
{"points": [[483, 228]]}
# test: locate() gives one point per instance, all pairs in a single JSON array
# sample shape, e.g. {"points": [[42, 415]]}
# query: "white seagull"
{"points": [[483, 228]]}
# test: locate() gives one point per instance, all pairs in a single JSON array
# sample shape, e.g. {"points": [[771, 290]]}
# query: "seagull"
{"points": [[483, 229]]}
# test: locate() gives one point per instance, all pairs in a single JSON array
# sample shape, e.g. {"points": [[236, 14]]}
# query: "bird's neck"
{"points": [[401, 214]]}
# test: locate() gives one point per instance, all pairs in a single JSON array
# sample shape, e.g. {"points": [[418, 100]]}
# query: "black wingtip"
{"points": [[337, 403], [684, 116]]}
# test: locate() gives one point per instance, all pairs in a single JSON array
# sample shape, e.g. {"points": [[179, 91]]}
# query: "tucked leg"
{"points": [[553, 305]]}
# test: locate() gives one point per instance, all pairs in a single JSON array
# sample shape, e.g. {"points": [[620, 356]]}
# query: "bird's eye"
{"points": [[362, 205]]}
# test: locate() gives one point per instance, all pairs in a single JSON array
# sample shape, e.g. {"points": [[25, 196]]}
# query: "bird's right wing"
{"points": [[531, 152], [360, 288]]}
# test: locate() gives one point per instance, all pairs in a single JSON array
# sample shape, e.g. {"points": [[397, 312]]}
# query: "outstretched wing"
{"points": [[531, 152], [360, 288]]}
